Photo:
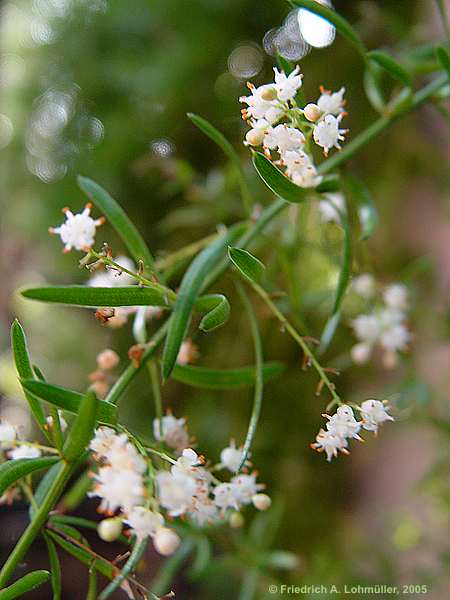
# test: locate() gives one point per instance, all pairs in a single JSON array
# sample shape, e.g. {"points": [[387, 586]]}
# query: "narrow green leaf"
{"points": [[224, 379], [276, 181], [13, 470], [259, 380], [444, 59], [365, 206], [202, 557], [217, 310], [386, 62], [117, 217], [345, 272], [28, 582], [44, 486], [55, 568], [69, 400], [25, 369], [216, 136], [330, 15], [82, 429], [373, 87], [92, 585], [329, 331], [247, 264], [93, 297], [190, 288], [135, 556]]}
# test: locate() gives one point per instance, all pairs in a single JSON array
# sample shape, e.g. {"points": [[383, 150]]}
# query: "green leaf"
{"points": [[69, 400], [365, 206], [444, 58], [117, 217], [25, 369], [216, 136], [28, 582], [224, 379], [135, 556], [82, 429], [13, 470], [386, 62], [93, 297], [247, 264], [330, 15], [373, 87], [277, 181], [190, 288], [284, 64], [329, 331], [55, 568], [44, 486], [217, 310], [345, 272]]}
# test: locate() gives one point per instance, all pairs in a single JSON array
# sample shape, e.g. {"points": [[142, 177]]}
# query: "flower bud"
{"points": [[101, 388], [261, 501], [109, 529], [236, 520], [312, 112], [107, 360], [269, 94], [166, 541], [360, 353], [254, 137]]}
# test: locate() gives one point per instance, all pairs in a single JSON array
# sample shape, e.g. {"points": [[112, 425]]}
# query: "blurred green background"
{"points": [[102, 89]]}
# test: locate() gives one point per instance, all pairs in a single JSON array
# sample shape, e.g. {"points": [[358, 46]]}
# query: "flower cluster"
{"points": [[385, 325], [9, 440], [343, 426], [285, 130]]}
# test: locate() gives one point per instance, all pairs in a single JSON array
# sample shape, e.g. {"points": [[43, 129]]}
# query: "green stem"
{"points": [[39, 518]]}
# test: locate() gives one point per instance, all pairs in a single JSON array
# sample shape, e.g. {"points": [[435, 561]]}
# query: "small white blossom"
{"points": [[283, 138], [24, 452], [300, 168], [258, 107], [78, 231], [361, 352], [328, 442], [366, 327], [343, 423], [111, 277], [395, 338], [8, 434], [123, 455], [245, 487], [287, 86], [102, 442], [364, 285], [171, 431], [331, 208], [118, 488], [331, 103], [204, 511], [327, 134], [143, 522], [225, 496], [175, 493], [231, 457], [255, 135], [374, 413], [396, 296]]}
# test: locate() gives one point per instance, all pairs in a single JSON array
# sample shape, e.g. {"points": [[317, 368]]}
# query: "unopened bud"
{"points": [[236, 520], [254, 137], [269, 94], [101, 388], [109, 529], [107, 360], [360, 353], [261, 501], [312, 112], [166, 541]]}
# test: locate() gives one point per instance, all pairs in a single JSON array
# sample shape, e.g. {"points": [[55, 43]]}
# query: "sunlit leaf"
{"points": [[224, 379], [276, 181], [247, 264], [69, 400], [386, 62], [82, 429], [13, 470], [117, 217], [365, 206], [28, 582]]}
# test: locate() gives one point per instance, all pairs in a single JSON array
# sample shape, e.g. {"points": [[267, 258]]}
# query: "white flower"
{"points": [[258, 107], [24, 452], [166, 541], [144, 522], [225, 496], [332, 104], [78, 231], [255, 136], [187, 462], [175, 493], [110, 277], [343, 423], [171, 431], [327, 134], [395, 338], [328, 442], [287, 86], [102, 441], [118, 488], [245, 487], [8, 434], [373, 413], [361, 352], [123, 455], [396, 296], [62, 421], [204, 511], [390, 316], [283, 138], [331, 208], [364, 285], [231, 457], [367, 328], [300, 168]]}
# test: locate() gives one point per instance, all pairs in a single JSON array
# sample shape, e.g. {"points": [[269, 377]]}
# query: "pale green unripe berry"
{"points": [[269, 94], [312, 112], [261, 501], [166, 541], [236, 520], [109, 529]]}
